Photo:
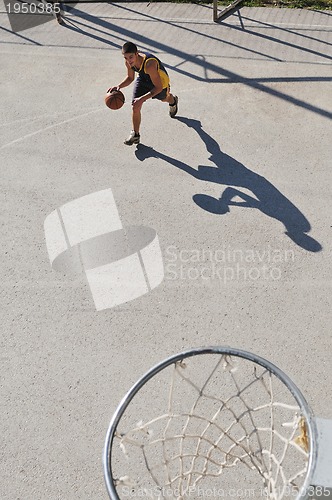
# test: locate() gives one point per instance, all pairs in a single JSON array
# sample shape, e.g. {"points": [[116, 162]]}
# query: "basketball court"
{"points": [[228, 207]]}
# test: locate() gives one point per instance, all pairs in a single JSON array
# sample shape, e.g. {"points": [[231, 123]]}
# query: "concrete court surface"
{"points": [[247, 161]]}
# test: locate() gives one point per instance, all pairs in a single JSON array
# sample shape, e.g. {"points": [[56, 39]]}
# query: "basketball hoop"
{"points": [[230, 421]]}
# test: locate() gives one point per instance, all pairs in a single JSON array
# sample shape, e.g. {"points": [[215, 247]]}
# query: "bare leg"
{"points": [[136, 117], [134, 137], [169, 98], [172, 102]]}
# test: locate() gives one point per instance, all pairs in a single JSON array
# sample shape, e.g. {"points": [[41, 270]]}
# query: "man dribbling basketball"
{"points": [[152, 82]]}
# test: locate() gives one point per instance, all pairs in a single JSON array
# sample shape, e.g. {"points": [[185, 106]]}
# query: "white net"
{"points": [[226, 427]]}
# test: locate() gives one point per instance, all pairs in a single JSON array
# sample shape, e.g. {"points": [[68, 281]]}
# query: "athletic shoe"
{"points": [[173, 108], [132, 139]]}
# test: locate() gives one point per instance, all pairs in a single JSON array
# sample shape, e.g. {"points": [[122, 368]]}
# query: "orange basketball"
{"points": [[115, 99]]}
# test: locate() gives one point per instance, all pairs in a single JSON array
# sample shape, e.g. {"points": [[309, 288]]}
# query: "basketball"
{"points": [[115, 99]]}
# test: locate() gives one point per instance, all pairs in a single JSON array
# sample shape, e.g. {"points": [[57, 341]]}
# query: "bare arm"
{"points": [[127, 81], [151, 69]]}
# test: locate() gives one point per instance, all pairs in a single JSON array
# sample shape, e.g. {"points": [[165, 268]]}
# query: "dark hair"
{"points": [[129, 47]]}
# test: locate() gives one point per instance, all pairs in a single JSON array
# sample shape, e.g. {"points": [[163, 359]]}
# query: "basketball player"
{"points": [[152, 82]]}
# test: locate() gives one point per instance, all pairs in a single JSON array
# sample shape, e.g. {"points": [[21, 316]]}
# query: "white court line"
{"points": [[36, 118], [21, 120], [49, 127]]}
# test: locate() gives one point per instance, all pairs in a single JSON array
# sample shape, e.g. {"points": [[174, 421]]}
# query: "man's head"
{"points": [[130, 53]]}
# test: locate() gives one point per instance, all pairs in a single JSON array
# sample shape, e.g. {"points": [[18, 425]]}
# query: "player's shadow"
{"points": [[233, 174]]}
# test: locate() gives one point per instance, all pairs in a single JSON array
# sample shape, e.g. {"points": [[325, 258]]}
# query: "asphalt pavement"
{"points": [[233, 197]]}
